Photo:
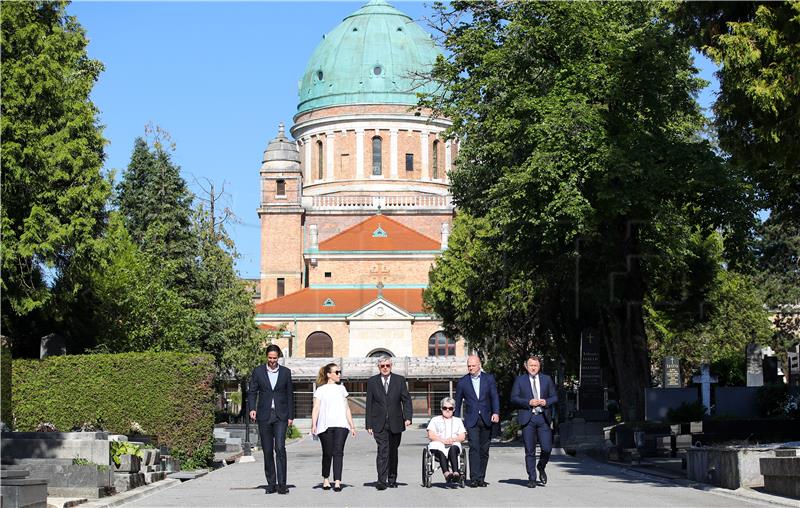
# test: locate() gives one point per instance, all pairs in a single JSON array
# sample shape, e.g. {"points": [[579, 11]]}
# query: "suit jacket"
{"points": [[522, 393], [391, 408], [483, 406], [261, 389]]}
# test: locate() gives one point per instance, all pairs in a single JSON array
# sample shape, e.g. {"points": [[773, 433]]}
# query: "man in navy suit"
{"points": [[478, 391], [271, 384], [535, 393]]}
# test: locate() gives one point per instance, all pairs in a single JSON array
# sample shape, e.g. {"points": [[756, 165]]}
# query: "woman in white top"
{"points": [[446, 433], [330, 421]]}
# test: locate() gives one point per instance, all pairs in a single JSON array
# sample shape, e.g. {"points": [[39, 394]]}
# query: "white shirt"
{"points": [[332, 407], [445, 428], [537, 392]]}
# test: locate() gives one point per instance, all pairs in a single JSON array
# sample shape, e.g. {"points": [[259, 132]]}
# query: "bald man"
{"points": [[478, 392]]}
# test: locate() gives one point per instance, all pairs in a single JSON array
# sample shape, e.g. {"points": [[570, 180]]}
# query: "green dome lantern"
{"points": [[375, 56]]}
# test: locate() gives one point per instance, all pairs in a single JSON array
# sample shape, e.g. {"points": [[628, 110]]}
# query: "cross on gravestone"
{"points": [[705, 379]]}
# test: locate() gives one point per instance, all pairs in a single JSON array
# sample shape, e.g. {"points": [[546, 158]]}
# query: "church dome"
{"points": [[374, 56]]}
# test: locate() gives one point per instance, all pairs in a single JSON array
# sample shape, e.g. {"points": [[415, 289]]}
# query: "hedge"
{"points": [[5, 383], [170, 395]]}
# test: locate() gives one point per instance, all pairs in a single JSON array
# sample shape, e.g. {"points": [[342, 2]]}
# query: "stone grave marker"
{"points": [[672, 373], [705, 379], [590, 392], [755, 367], [52, 345]]}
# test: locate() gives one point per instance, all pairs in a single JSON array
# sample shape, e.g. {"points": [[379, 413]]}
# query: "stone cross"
{"points": [[705, 379], [380, 289]]}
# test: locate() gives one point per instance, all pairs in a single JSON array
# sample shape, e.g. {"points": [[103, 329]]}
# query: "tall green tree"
{"points": [[156, 205], [54, 195], [580, 150]]}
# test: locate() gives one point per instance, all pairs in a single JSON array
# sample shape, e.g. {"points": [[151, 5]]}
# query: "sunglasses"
{"points": [[385, 366], [337, 372], [447, 408]]}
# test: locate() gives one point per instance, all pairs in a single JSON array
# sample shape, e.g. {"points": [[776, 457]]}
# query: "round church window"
{"points": [[319, 75], [377, 70]]}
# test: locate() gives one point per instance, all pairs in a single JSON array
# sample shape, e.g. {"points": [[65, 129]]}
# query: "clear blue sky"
{"points": [[219, 77]]}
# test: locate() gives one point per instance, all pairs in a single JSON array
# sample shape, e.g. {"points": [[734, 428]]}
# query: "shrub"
{"points": [[169, 394], [686, 412], [5, 383], [293, 432]]}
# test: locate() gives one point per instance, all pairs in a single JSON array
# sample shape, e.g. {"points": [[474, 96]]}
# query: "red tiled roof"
{"points": [[346, 301], [362, 237]]}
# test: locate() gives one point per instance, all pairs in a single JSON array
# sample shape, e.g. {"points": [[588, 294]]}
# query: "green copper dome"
{"points": [[372, 57]]}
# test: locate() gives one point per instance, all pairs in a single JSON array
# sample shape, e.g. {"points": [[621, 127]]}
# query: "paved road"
{"points": [[572, 482]]}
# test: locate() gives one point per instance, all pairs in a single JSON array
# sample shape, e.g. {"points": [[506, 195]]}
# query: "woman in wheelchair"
{"points": [[446, 433]]}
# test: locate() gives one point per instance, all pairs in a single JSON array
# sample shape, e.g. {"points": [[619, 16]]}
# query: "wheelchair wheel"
{"points": [[462, 467], [427, 469]]}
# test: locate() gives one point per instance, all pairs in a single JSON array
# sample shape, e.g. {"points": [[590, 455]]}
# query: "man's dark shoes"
{"points": [[271, 489], [531, 484], [380, 486], [542, 477], [283, 489], [337, 489], [475, 483], [392, 484], [483, 484]]}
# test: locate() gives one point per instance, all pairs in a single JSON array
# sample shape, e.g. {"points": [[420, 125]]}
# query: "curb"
{"points": [[132, 495]]}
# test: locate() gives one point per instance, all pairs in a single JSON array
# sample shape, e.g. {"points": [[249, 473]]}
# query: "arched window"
{"points": [[440, 344], [377, 353], [376, 156], [435, 159], [319, 345], [280, 188], [319, 160]]}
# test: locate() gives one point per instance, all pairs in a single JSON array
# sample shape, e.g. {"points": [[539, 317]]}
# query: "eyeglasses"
{"points": [[447, 408], [337, 372], [386, 366]]}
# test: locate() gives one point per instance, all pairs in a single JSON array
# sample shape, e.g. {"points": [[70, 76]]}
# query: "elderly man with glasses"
{"points": [[388, 414]]}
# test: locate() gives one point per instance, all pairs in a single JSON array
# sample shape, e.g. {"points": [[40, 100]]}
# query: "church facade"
{"points": [[355, 208]]}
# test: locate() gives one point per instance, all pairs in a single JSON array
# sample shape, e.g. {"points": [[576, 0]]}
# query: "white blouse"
{"points": [[445, 428], [332, 407]]}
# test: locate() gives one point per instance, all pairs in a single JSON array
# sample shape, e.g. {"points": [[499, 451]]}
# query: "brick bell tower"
{"points": [[281, 217]]}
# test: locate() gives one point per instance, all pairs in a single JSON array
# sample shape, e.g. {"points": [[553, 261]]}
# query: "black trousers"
{"points": [[386, 461], [332, 441], [480, 436], [537, 430], [272, 433], [449, 463]]}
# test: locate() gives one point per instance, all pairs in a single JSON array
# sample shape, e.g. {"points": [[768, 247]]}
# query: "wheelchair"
{"points": [[429, 465]]}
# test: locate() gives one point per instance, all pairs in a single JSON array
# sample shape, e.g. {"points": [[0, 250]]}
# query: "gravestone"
{"points": [[794, 365], [755, 367], [672, 373], [705, 379], [52, 345], [590, 393], [770, 368]]}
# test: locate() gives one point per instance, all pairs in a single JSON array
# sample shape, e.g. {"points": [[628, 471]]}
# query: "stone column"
{"points": [[448, 160], [307, 169], [359, 154], [393, 153], [423, 145], [329, 137]]}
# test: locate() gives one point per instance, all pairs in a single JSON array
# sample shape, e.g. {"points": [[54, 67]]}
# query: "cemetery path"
{"points": [[572, 482]]}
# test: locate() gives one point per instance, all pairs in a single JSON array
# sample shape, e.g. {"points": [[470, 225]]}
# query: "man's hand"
{"points": [[314, 429], [370, 431], [495, 418], [289, 422], [408, 422], [253, 415]]}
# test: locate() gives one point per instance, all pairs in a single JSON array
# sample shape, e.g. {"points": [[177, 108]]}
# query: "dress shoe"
{"points": [[475, 483], [392, 484], [531, 484], [543, 477], [271, 489], [283, 489], [483, 484], [337, 489], [380, 486], [326, 487]]}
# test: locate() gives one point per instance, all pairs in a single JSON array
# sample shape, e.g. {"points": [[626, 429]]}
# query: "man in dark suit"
{"points": [[271, 384], [535, 393], [478, 391], [388, 414]]}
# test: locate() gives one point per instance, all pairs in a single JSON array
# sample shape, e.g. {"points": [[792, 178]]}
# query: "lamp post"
{"points": [[247, 454]]}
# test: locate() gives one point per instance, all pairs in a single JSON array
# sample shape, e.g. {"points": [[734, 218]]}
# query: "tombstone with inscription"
{"points": [[770, 368], [794, 365], [755, 367], [672, 373], [591, 396]]}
